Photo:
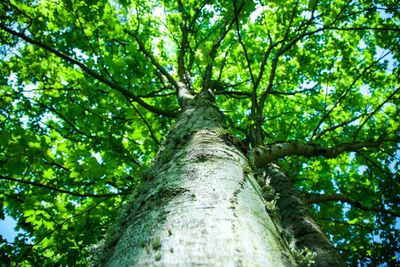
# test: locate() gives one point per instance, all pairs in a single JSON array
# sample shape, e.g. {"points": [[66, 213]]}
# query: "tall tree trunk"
{"points": [[198, 205]]}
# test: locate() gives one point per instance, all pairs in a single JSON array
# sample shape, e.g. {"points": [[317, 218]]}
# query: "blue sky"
{"points": [[7, 228]]}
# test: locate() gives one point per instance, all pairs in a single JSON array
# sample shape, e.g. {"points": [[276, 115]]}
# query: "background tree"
{"points": [[89, 90]]}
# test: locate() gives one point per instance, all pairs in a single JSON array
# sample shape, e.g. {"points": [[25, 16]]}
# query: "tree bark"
{"points": [[199, 204], [304, 233]]}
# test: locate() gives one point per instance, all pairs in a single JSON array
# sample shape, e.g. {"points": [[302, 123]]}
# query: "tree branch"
{"points": [[334, 127], [364, 226], [343, 95], [153, 60], [246, 54], [64, 118], [52, 188], [92, 73], [263, 155], [284, 48], [364, 29], [147, 125], [40, 238], [292, 93], [91, 46], [182, 50], [275, 59], [182, 91], [208, 72], [186, 28], [315, 199], [375, 111], [233, 93]]}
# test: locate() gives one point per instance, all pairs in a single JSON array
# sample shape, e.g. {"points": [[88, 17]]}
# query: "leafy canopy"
{"points": [[88, 91]]}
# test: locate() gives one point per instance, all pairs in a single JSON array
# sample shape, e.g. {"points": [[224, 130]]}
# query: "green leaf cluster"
{"points": [[86, 98]]}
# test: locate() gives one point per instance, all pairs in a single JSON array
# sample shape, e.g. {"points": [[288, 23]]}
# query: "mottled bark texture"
{"points": [[296, 220], [199, 204]]}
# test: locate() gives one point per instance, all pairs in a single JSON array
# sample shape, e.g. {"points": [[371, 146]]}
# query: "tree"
{"points": [[211, 123]]}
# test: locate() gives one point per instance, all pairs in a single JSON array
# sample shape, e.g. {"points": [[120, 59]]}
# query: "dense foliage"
{"points": [[88, 91]]}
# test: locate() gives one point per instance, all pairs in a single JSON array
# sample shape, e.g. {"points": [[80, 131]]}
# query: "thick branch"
{"points": [[233, 93], [263, 155], [158, 93], [92, 73], [315, 199]]}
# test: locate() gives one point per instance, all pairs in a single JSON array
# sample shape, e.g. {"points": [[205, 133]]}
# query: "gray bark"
{"points": [[263, 155], [199, 204], [304, 233]]}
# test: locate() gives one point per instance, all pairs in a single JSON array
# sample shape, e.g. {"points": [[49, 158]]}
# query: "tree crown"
{"points": [[90, 89]]}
